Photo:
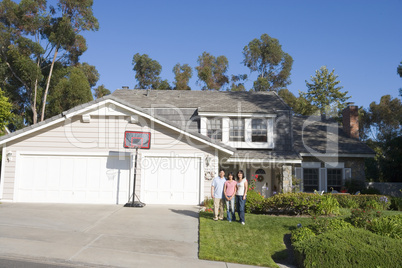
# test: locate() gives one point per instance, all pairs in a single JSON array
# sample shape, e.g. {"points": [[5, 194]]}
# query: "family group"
{"points": [[231, 191]]}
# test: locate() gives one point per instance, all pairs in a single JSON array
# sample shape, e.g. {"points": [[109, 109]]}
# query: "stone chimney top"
{"points": [[350, 120]]}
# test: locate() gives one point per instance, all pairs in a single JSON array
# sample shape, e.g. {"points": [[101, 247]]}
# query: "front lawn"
{"points": [[259, 242]]}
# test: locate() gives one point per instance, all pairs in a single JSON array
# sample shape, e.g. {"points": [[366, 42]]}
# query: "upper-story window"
{"points": [[258, 130], [236, 130], [214, 128]]}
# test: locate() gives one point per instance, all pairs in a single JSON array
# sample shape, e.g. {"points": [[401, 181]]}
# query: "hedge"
{"points": [[349, 248], [308, 203]]}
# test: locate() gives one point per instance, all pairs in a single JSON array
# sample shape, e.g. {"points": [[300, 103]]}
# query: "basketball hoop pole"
{"points": [[135, 174]]}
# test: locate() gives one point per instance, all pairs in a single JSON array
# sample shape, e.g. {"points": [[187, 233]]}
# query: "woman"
{"points": [[241, 194], [229, 190]]}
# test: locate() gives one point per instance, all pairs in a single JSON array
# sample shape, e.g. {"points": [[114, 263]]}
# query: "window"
{"points": [[334, 179], [214, 128], [310, 179], [236, 132], [259, 130]]}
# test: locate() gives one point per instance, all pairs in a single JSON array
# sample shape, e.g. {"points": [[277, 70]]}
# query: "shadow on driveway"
{"points": [[190, 213]]}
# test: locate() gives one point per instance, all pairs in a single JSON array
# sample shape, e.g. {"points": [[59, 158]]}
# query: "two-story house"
{"points": [[80, 155]]}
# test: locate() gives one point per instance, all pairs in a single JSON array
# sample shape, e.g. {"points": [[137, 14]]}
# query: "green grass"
{"points": [[259, 242]]}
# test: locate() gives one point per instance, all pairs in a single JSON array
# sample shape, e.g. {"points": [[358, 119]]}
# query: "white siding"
{"points": [[101, 135]]}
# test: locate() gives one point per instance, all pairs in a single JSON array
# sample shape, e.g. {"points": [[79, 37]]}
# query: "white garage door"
{"points": [[171, 180], [72, 179]]}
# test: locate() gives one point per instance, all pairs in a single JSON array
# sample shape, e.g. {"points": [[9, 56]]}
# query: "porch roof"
{"points": [[265, 156]]}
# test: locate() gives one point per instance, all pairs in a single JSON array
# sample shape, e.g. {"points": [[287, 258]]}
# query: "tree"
{"points": [[324, 93], [72, 90], [101, 91], [63, 33], [21, 28], [381, 129], [399, 71], [265, 56], [182, 75], [90, 72], [237, 82], [5, 111], [299, 104], [164, 85], [211, 71], [147, 72], [33, 39]]}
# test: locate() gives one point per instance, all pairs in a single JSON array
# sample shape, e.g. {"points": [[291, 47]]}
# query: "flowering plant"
{"points": [[251, 182]]}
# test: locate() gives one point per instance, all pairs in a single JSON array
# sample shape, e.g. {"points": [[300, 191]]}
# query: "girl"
{"points": [[229, 191], [241, 194]]}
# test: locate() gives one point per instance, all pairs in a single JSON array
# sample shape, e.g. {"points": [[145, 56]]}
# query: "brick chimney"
{"points": [[350, 120]]}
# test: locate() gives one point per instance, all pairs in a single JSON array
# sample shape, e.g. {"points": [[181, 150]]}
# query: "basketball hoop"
{"points": [[136, 140]]}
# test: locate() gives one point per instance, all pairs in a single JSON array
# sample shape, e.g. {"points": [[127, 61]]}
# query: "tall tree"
{"points": [[211, 71], [5, 111], [399, 71], [90, 72], [33, 39], [72, 90], [21, 29], [63, 33], [273, 65], [101, 91], [237, 82], [182, 75], [325, 93], [381, 129], [147, 71], [299, 104]]}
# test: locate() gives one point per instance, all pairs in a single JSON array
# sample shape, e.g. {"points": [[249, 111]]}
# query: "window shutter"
{"points": [[299, 175], [323, 180]]}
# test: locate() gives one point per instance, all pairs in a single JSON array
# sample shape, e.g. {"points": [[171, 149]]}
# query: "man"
{"points": [[217, 194]]}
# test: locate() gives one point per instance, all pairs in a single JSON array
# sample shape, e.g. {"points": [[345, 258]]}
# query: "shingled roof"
{"points": [[205, 101], [313, 135]]}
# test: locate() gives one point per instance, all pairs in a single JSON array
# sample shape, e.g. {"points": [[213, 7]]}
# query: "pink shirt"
{"points": [[230, 187]]}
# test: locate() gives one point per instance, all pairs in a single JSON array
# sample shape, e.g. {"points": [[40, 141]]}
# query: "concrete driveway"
{"points": [[102, 235]]}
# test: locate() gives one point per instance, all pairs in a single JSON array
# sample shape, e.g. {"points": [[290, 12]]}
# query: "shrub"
{"points": [[355, 201], [396, 203], [346, 201], [301, 234], [292, 203], [254, 202], [328, 206], [372, 204], [323, 225], [362, 218], [208, 202], [388, 226], [349, 248]]}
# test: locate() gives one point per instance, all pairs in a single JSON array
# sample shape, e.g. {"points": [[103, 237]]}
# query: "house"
{"points": [[81, 155]]}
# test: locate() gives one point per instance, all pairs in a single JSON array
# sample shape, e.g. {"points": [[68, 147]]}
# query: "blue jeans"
{"points": [[240, 207], [230, 207]]}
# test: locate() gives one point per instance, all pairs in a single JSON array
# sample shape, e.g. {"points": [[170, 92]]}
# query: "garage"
{"points": [[90, 179], [171, 180]]}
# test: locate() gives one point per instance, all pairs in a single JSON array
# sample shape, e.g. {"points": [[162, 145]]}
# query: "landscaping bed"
{"points": [[325, 226]]}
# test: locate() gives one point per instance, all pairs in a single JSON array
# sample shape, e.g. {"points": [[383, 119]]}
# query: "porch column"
{"points": [[287, 178]]}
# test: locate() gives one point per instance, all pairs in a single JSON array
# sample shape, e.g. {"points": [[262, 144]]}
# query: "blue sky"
{"points": [[361, 40]]}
